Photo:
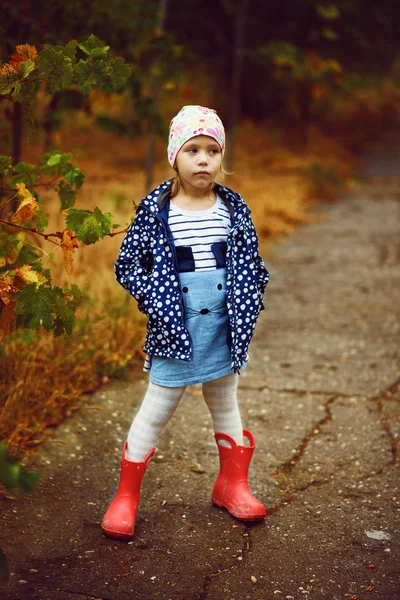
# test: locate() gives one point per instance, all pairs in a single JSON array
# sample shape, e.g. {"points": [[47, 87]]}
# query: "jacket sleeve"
{"points": [[134, 264], [261, 271]]}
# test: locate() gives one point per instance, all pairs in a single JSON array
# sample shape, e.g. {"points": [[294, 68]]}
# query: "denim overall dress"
{"points": [[206, 319]]}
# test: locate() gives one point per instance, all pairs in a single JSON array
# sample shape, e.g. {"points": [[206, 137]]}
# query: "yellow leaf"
{"points": [[27, 275], [22, 191], [26, 210], [68, 244], [27, 51]]}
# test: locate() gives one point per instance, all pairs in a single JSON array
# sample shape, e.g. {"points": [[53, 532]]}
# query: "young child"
{"points": [[191, 261]]}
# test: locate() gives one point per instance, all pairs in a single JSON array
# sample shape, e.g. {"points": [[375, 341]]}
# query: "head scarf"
{"points": [[193, 120]]}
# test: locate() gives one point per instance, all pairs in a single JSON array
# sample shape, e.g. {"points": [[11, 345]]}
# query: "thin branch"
{"points": [[8, 202], [117, 232], [46, 236], [36, 185]]}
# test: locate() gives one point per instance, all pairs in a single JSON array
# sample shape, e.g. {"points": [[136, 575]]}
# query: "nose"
{"points": [[202, 157]]}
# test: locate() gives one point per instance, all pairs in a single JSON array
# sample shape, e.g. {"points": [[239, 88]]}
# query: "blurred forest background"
{"points": [[302, 88]]}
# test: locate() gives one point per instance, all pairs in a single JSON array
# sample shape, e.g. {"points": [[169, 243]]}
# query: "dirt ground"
{"points": [[322, 396]]}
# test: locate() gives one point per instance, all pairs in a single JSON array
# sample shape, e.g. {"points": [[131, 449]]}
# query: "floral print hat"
{"points": [[193, 120]]}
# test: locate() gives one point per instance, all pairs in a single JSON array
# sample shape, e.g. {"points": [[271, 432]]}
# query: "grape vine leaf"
{"points": [[89, 225]]}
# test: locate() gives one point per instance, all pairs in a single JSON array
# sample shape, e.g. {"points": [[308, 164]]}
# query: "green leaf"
{"points": [[24, 173], [56, 162], [75, 177], [54, 159], [9, 82], [65, 318], [56, 67], [83, 76], [66, 194], [41, 220], [35, 304], [120, 73], [89, 226], [70, 49], [94, 47], [44, 306], [26, 68]]}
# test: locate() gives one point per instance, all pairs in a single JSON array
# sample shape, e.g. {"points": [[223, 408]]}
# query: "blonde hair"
{"points": [[177, 181]]}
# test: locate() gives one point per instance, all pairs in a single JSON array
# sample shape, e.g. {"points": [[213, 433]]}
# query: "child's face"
{"points": [[199, 161]]}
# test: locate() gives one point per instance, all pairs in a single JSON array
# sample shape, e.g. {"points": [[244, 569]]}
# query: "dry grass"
{"points": [[43, 378]]}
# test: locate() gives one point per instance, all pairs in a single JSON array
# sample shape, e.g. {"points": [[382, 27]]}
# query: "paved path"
{"points": [[322, 396]]}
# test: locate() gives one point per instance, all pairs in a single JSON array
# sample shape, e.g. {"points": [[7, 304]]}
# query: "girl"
{"points": [[191, 261]]}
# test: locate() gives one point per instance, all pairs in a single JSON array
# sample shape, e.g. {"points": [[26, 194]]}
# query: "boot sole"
{"points": [[245, 517], [120, 535]]}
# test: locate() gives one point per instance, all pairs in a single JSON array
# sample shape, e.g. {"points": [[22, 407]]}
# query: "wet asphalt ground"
{"points": [[322, 396]]}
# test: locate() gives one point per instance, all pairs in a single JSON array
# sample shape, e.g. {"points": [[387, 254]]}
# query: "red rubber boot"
{"points": [[231, 489], [119, 520]]}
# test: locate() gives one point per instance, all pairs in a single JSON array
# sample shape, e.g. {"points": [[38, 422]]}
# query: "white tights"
{"points": [[160, 403]]}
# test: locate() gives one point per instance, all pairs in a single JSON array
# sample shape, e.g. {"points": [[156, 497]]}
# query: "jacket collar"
{"points": [[156, 200]]}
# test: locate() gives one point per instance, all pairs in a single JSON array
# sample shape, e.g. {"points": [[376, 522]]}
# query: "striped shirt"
{"points": [[199, 229]]}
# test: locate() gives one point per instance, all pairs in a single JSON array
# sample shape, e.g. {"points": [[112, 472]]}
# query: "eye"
{"points": [[219, 286], [185, 290]]}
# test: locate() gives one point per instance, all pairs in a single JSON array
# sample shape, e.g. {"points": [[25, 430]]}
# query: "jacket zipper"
{"points": [[234, 228]]}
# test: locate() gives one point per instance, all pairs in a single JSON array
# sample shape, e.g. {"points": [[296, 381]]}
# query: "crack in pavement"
{"points": [[287, 467], [379, 400]]}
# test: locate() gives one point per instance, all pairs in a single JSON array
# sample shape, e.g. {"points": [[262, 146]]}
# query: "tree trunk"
{"points": [[155, 87], [234, 96]]}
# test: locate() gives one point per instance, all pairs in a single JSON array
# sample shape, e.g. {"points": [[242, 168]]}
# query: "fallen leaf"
{"points": [[197, 468]]}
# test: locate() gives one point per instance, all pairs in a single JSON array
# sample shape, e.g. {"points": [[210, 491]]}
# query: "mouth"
{"points": [[202, 173]]}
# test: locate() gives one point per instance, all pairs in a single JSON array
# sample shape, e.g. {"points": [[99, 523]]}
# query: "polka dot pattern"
{"points": [[145, 268]]}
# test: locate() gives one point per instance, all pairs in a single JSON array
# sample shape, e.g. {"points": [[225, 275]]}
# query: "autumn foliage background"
{"points": [[87, 93]]}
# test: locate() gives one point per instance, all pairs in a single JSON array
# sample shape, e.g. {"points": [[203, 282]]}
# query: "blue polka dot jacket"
{"points": [[147, 268]]}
